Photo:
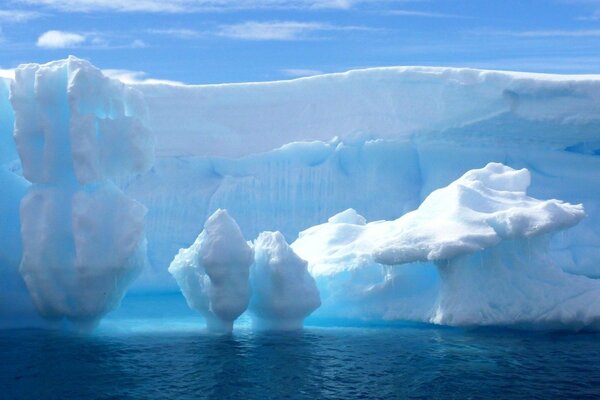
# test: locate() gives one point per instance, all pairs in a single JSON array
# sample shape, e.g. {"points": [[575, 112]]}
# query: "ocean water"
{"points": [[173, 358]]}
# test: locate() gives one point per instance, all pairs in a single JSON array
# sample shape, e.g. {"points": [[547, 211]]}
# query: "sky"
{"points": [[217, 41]]}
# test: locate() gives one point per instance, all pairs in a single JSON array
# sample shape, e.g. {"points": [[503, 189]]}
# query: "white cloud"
{"points": [[280, 30], [60, 40], [182, 6], [95, 40], [111, 5], [299, 73]]}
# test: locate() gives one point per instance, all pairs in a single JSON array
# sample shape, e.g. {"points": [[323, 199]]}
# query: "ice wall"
{"points": [[83, 238], [387, 103], [377, 140]]}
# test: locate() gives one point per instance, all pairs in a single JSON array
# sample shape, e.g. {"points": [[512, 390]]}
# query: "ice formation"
{"points": [[377, 140], [83, 238], [489, 242], [287, 155], [213, 272], [283, 291]]}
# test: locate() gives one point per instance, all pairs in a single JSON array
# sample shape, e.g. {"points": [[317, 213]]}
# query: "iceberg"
{"points": [[377, 140], [283, 291], [489, 243], [213, 273], [82, 238], [286, 156]]}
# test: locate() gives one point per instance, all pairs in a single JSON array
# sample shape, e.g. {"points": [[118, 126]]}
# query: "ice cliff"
{"points": [[286, 156]]}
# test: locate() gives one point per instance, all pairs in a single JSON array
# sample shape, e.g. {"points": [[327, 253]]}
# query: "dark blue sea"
{"points": [[173, 358]]}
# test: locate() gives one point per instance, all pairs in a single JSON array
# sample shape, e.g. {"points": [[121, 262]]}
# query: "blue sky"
{"points": [[212, 41]]}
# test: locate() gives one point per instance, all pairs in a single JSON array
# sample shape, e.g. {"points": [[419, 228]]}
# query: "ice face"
{"points": [[283, 292], [518, 284], [213, 272], [83, 239]]}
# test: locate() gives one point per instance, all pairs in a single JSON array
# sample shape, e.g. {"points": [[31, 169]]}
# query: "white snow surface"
{"points": [[477, 211], [384, 103], [283, 291], [213, 273]]}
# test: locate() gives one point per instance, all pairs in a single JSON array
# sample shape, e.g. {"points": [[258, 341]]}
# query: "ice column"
{"points": [[213, 272], [83, 238], [283, 291]]}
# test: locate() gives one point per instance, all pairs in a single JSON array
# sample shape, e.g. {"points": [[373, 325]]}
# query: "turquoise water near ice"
{"points": [[170, 356]]}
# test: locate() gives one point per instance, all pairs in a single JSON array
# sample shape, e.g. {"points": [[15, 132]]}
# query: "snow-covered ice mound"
{"points": [[83, 238], [477, 211], [213, 273], [283, 292], [489, 242]]}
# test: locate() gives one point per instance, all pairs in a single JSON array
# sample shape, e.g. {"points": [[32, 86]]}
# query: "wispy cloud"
{"points": [[183, 6], [66, 40], [422, 14], [180, 33], [18, 15], [557, 33], [298, 73], [277, 30], [60, 40], [281, 30]]}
